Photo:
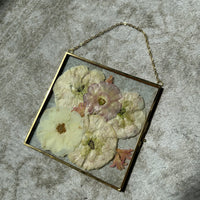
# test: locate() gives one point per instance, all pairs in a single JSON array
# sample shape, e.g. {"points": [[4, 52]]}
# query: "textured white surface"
{"points": [[33, 38]]}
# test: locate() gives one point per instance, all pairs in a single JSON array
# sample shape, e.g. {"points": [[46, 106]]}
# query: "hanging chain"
{"points": [[111, 28]]}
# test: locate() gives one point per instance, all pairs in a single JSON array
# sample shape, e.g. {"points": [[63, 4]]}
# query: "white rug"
{"points": [[34, 36]]}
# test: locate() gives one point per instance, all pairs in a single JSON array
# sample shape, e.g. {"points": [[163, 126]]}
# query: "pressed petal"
{"points": [[132, 101], [112, 90], [110, 111], [94, 76]]}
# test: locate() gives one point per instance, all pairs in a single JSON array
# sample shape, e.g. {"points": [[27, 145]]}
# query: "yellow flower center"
{"points": [[61, 128], [101, 101]]}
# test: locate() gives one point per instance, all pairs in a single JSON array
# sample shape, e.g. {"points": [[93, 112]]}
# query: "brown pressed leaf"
{"points": [[124, 154], [80, 109], [110, 79], [120, 158], [118, 163]]}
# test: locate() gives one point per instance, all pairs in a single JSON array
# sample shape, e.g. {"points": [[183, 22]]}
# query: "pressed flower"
{"points": [[73, 84], [131, 117], [60, 130], [103, 99], [98, 144]]}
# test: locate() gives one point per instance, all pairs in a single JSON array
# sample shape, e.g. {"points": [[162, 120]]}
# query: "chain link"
{"points": [[111, 28]]}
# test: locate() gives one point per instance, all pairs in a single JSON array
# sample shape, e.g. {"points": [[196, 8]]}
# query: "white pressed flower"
{"points": [[60, 130], [73, 84], [130, 119], [98, 144]]}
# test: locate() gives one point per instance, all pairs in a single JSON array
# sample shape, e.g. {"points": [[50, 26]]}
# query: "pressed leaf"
{"points": [[110, 79], [124, 154], [120, 158], [80, 109], [118, 163]]}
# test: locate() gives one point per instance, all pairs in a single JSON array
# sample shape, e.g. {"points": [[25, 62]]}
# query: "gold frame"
{"points": [[142, 134]]}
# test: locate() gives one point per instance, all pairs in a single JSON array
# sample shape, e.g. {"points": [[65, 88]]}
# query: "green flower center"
{"points": [[91, 144], [61, 128], [122, 112], [101, 101], [81, 88]]}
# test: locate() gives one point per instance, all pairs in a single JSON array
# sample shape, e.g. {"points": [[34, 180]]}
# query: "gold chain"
{"points": [[111, 28]]}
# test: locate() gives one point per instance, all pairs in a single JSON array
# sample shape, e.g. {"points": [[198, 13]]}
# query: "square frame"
{"points": [[142, 134]]}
